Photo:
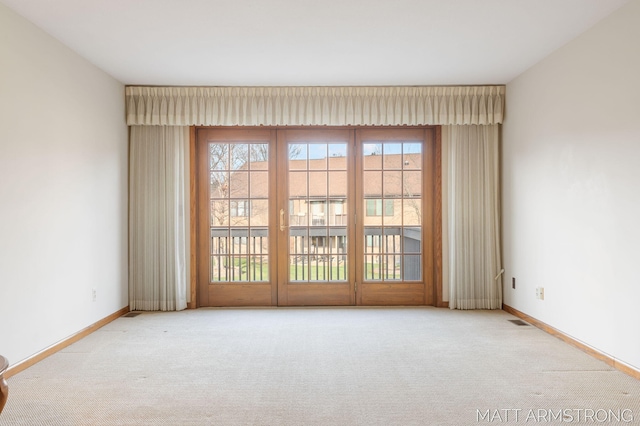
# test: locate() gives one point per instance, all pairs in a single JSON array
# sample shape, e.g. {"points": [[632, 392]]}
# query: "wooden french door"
{"points": [[395, 233], [315, 216], [315, 233], [236, 217]]}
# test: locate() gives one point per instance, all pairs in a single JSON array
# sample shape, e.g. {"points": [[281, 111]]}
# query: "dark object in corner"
{"points": [[4, 388]]}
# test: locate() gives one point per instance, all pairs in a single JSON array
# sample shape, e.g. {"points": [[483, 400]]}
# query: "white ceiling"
{"points": [[314, 42]]}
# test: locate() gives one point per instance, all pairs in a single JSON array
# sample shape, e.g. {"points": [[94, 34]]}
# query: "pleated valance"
{"points": [[299, 106]]}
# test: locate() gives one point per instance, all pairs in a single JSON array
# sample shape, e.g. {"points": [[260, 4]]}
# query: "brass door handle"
{"points": [[282, 225]]}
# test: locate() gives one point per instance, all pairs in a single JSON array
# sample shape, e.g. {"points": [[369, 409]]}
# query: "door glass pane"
{"points": [[412, 158], [392, 156], [239, 184], [259, 153], [372, 153], [297, 156], [259, 211], [259, 184], [318, 184], [218, 184], [392, 211], [372, 184], [317, 156], [412, 211], [392, 184], [219, 213], [412, 184], [239, 156], [337, 183], [337, 157], [298, 185], [239, 215], [317, 212]]}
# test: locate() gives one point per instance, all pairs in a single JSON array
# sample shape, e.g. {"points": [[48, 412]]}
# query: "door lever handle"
{"points": [[282, 225]]}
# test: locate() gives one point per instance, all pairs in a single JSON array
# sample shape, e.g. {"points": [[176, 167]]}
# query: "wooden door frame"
{"points": [[437, 211]]}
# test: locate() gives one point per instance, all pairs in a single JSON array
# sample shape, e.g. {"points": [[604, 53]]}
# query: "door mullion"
{"points": [[282, 236], [358, 238]]}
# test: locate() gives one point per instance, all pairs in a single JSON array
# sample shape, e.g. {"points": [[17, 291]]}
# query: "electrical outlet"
{"points": [[93, 294], [513, 282]]}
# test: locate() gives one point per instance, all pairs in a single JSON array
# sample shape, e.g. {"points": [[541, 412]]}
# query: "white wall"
{"points": [[63, 191], [571, 187]]}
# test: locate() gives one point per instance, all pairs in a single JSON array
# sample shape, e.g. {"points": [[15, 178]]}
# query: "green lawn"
{"points": [[241, 271], [376, 271], [317, 273]]}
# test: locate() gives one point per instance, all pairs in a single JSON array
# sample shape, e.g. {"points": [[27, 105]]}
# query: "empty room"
{"points": [[283, 212]]}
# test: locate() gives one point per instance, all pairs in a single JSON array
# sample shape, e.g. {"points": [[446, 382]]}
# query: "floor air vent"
{"points": [[518, 322], [132, 314]]}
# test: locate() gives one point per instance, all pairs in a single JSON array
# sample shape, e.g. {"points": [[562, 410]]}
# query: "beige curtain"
{"points": [[469, 115], [325, 106], [473, 258], [158, 219]]}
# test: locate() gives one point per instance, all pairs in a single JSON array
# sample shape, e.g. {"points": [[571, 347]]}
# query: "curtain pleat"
{"points": [[330, 106], [158, 199], [473, 217]]}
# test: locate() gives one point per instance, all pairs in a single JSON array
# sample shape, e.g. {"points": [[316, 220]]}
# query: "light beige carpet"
{"points": [[321, 366]]}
